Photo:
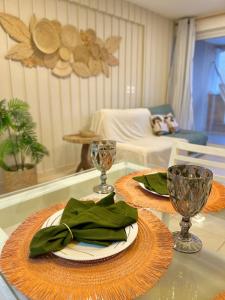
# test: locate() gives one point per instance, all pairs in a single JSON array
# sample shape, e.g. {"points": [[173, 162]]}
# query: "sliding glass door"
{"points": [[209, 88]]}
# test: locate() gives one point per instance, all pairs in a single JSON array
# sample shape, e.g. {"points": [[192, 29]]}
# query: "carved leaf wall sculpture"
{"points": [[63, 49]]}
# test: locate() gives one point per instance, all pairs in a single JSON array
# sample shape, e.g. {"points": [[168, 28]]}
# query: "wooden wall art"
{"points": [[63, 49]]}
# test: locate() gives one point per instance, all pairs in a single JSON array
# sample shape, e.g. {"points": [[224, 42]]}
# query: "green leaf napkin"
{"points": [[155, 182], [86, 221]]}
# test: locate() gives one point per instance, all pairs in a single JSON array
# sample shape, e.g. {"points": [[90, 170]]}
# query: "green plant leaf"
{"points": [[4, 118], [38, 151], [8, 147], [21, 140], [19, 115]]}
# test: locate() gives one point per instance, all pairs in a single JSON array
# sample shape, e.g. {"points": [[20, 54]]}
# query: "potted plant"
{"points": [[20, 150]]}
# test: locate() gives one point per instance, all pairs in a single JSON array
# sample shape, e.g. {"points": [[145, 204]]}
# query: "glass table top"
{"points": [[197, 276]]}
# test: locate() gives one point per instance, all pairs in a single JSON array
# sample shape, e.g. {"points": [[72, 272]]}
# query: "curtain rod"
{"points": [[202, 17], [210, 15]]}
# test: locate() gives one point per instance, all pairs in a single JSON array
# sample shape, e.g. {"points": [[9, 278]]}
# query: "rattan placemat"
{"points": [[220, 296], [132, 193], [125, 276]]}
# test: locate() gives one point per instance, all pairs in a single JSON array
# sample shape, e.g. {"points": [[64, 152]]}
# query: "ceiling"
{"points": [[182, 8]]}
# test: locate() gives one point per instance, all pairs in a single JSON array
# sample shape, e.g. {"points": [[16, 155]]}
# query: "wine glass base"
{"points": [[103, 189], [192, 245]]}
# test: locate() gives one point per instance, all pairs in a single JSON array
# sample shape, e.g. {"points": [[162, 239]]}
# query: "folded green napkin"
{"points": [[86, 221], [155, 182]]}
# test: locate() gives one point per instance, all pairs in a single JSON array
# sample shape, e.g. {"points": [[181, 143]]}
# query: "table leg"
{"points": [[84, 163]]}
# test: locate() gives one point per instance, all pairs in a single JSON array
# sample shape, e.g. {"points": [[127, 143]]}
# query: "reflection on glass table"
{"points": [[6, 291], [190, 277]]}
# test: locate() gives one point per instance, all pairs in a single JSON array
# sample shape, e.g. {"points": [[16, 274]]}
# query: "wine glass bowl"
{"points": [[103, 154], [189, 188]]}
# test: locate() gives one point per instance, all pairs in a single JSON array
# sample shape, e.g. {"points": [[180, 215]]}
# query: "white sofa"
{"points": [[132, 130]]}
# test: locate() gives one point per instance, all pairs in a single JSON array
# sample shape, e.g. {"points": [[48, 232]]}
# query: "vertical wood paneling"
{"points": [[166, 37], [132, 12], [122, 65], [73, 18], [16, 71], [75, 81], [154, 56], [100, 79], [137, 16], [102, 5], [115, 71], [30, 75], [133, 65], [84, 83], [43, 100], [24, 14], [65, 92], [110, 7], [128, 67], [34, 96], [93, 4], [125, 10], [140, 62], [5, 76], [84, 2], [107, 81], [92, 80], [62, 106], [147, 57], [118, 7], [54, 97]]}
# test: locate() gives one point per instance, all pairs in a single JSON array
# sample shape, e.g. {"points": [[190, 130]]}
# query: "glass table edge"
{"points": [[38, 190]]}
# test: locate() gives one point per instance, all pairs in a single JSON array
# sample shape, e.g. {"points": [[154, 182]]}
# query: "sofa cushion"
{"points": [[161, 109], [194, 137]]}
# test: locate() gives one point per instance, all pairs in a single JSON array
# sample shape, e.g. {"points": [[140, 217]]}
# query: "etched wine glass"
{"points": [[103, 154], [189, 188]]}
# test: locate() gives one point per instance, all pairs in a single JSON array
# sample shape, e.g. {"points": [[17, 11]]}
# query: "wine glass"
{"points": [[103, 154], [189, 188]]}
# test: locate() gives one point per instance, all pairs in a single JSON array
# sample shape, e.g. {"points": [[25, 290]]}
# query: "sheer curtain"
{"points": [[180, 81]]}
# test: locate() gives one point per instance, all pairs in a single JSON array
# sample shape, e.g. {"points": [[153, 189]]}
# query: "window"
{"points": [[209, 88]]}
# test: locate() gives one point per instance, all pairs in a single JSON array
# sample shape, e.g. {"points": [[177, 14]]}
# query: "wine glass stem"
{"points": [[103, 177], [185, 225]]}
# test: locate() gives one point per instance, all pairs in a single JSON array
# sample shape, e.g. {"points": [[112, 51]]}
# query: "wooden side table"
{"points": [[85, 141]]}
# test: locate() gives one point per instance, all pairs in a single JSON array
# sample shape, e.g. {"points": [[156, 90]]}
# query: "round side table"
{"points": [[85, 141]]}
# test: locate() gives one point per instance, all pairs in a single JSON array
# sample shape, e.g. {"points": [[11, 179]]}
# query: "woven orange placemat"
{"points": [[127, 187], [125, 276], [220, 296]]}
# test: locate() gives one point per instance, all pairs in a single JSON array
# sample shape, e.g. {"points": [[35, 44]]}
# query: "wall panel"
{"points": [[122, 66], [62, 106]]}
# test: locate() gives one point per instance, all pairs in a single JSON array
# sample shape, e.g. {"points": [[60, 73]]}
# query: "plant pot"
{"points": [[20, 179]]}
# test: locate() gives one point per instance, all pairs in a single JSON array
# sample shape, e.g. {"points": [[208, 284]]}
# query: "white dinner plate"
{"points": [[88, 252], [152, 192]]}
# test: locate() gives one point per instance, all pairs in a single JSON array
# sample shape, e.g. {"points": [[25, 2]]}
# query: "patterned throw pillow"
{"points": [[159, 126], [171, 123]]}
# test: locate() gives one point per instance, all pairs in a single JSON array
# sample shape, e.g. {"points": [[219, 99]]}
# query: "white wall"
{"points": [[63, 106]]}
